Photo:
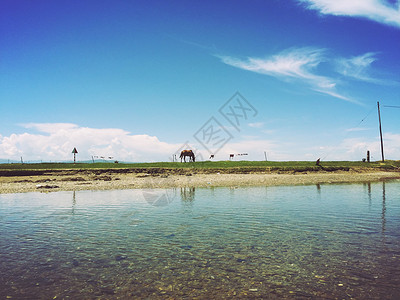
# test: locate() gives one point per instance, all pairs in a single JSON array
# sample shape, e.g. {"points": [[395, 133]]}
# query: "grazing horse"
{"points": [[211, 156], [231, 156], [189, 153]]}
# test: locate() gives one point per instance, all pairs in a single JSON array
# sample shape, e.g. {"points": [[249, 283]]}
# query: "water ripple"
{"points": [[335, 241]]}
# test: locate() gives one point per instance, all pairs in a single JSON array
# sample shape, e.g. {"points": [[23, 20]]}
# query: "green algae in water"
{"points": [[327, 241]]}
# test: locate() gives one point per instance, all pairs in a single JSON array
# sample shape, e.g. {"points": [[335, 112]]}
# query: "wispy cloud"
{"points": [[357, 67], [360, 68], [356, 129], [294, 63], [256, 124], [301, 66], [50, 127], [298, 64], [384, 12]]}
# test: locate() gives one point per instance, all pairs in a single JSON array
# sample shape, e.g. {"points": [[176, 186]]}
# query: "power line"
{"points": [[362, 120], [391, 106], [365, 117]]}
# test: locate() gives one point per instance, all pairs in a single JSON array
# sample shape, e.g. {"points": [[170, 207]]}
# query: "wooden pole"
{"points": [[368, 156], [380, 131]]}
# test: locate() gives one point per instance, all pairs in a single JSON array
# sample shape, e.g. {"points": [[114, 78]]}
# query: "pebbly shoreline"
{"points": [[74, 180]]}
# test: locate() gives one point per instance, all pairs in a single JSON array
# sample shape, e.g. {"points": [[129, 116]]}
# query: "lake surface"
{"points": [[299, 242]]}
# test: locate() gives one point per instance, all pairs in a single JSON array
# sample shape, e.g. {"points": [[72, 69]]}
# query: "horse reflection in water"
{"points": [[187, 194], [189, 153]]}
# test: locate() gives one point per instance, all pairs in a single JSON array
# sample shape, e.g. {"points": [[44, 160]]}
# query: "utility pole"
{"points": [[380, 131]]}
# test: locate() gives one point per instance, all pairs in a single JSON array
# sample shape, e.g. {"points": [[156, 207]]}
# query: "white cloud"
{"points": [[297, 64], [56, 145], [56, 141], [356, 148], [376, 10], [391, 145]]}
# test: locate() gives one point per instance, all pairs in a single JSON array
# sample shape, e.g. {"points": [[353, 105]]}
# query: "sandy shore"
{"points": [[109, 180]]}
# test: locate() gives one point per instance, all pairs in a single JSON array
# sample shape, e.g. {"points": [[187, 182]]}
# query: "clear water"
{"points": [[299, 242]]}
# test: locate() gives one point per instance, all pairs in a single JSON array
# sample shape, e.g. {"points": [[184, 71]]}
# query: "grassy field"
{"points": [[251, 165]]}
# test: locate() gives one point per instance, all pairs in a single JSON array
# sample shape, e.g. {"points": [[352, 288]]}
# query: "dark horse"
{"points": [[189, 153]]}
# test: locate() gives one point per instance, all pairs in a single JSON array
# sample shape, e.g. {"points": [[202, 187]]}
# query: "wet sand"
{"points": [[73, 180]]}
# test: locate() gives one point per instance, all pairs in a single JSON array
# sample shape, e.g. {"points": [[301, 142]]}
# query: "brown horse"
{"points": [[189, 153]]}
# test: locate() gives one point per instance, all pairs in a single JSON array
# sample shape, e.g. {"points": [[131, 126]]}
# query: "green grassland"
{"points": [[254, 166]]}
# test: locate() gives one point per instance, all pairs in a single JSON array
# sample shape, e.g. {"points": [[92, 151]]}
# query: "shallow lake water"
{"points": [[298, 242]]}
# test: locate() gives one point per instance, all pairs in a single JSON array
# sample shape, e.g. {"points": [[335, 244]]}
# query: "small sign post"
{"points": [[74, 152]]}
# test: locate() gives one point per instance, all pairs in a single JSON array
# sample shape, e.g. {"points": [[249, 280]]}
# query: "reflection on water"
{"points": [[324, 242], [318, 188], [187, 194], [73, 202]]}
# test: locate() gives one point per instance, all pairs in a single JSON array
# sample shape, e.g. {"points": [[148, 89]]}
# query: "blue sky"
{"points": [[136, 80]]}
